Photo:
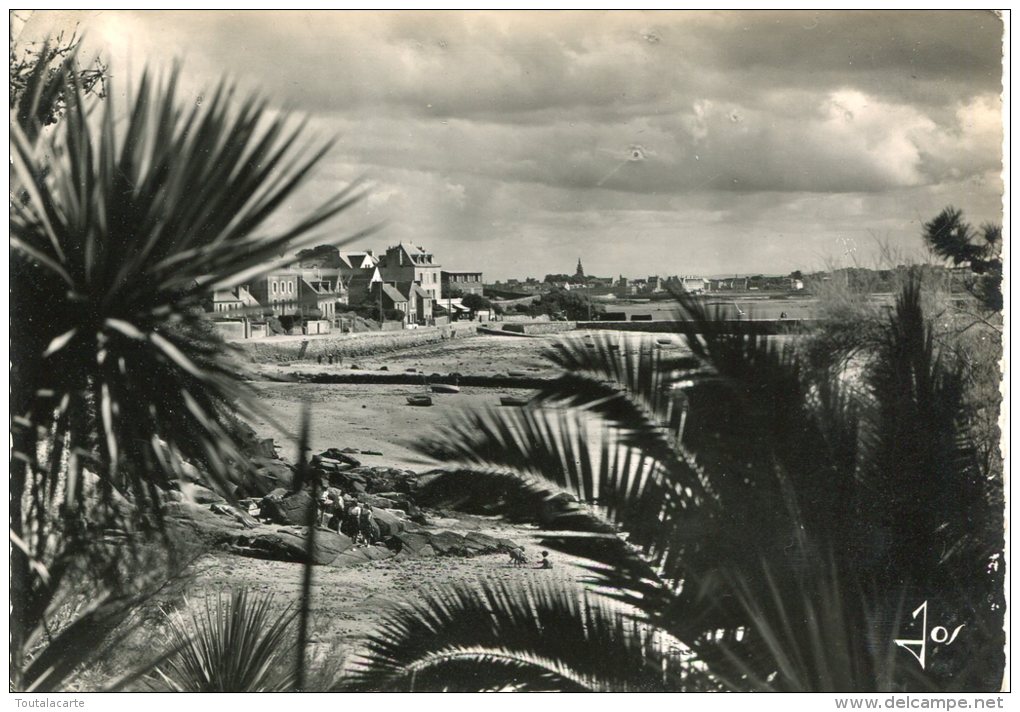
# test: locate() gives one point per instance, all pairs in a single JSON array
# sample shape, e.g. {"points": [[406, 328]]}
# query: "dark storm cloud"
{"points": [[517, 130]]}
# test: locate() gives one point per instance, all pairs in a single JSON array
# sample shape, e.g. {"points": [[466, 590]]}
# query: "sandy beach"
{"points": [[377, 417], [348, 602]]}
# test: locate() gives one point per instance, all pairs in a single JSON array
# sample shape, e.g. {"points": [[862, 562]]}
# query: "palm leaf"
{"points": [[140, 222], [522, 637]]}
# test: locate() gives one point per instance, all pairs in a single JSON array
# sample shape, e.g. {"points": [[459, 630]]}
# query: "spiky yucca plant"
{"points": [[240, 645], [123, 220], [734, 500]]}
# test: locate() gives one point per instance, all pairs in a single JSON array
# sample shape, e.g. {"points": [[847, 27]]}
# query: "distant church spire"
{"points": [[580, 270]]}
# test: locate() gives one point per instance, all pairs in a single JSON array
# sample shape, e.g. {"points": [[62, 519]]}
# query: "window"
{"points": [[274, 286]]}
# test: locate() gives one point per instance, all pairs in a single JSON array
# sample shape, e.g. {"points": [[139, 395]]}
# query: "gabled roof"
{"points": [[413, 289], [415, 255], [317, 286], [393, 294], [246, 297], [237, 294], [419, 292], [359, 260], [225, 295]]}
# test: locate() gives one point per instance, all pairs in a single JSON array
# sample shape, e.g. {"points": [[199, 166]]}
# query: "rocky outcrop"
{"points": [[284, 507], [269, 474], [389, 524], [363, 555], [198, 494], [291, 544], [336, 455], [423, 542], [189, 521]]}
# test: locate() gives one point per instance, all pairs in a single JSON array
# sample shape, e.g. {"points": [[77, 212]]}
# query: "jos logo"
{"points": [[939, 634]]}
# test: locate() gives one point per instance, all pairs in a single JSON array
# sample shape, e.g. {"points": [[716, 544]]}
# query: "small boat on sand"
{"points": [[419, 400], [444, 388], [513, 401]]}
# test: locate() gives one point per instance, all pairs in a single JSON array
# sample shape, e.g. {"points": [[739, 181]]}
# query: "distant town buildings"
{"points": [[407, 286], [406, 281], [462, 283]]}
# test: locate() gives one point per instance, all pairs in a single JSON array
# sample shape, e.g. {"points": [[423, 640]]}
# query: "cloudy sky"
{"points": [[645, 142]]}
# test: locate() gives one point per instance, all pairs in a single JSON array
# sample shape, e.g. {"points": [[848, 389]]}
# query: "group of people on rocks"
{"points": [[350, 516]]}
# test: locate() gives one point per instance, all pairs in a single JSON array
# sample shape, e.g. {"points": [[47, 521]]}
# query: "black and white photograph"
{"points": [[504, 350]]}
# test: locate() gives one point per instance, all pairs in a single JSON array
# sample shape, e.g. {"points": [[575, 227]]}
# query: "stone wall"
{"points": [[350, 345], [534, 327], [756, 326]]}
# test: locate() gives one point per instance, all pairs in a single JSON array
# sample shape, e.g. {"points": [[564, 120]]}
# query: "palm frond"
{"points": [[521, 637], [815, 636], [922, 476], [569, 450], [638, 366], [620, 569]]}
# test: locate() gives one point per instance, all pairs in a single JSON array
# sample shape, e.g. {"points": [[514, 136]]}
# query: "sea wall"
{"points": [[534, 328], [350, 345], [733, 326]]}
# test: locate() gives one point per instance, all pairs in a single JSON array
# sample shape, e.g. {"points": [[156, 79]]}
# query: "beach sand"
{"points": [[349, 602]]}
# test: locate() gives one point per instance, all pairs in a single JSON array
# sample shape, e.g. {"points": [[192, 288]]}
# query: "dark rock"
{"points": [[558, 504], [425, 552], [265, 447], [341, 455], [349, 481], [389, 525], [362, 555], [188, 520], [291, 544], [239, 516], [447, 543], [199, 494], [398, 500], [290, 508], [374, 500], [483, 543], [269, 474], [410, 542]]}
